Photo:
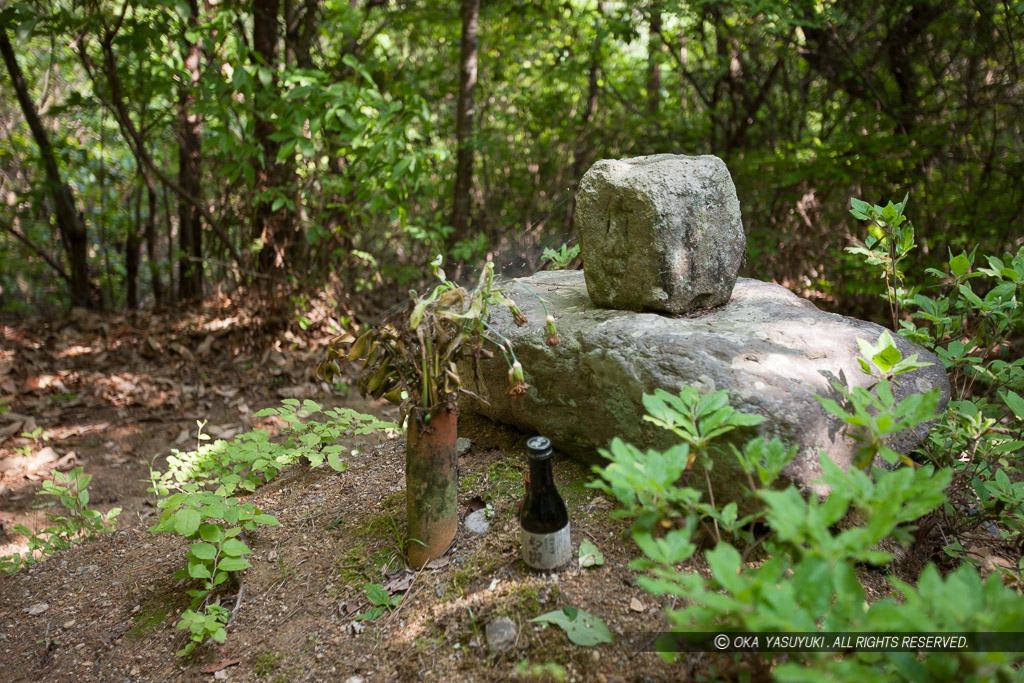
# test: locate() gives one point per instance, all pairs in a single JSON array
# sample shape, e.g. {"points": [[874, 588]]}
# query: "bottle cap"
{"points": [[538, 447]]}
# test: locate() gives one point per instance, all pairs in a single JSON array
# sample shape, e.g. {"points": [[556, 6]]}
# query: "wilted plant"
{"points": [[412, 360]]}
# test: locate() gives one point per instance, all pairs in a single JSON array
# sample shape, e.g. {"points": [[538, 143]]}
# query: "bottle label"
{"points": [[546, 551]]}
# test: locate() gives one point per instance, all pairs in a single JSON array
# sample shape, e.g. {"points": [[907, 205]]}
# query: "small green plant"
{"points": [[874, 418], [69, 492], [886, 245], [266, 663], [581, 627], [381, 601], [968, 320], [646, 482], [561, 257], [252, 459], [38, 436], [214, 524]]}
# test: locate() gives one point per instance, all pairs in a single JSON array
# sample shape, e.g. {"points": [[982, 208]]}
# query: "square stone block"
{"points": [[660, 233]]}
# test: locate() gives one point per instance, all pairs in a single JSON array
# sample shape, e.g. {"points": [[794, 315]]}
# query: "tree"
{"points": [[271, 225], [190, 229], [69, 221], [464, 119]]}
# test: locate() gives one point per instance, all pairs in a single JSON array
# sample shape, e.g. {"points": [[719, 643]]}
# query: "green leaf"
{"points": [[235, 548], [589, 555], [233, 564], [213, 533], [336, 463], [725, 562], [203, 551], [959, 264], [376, 594], [186, 521], [1015, 403], [371, 614], [584, 630], [198, 570]]}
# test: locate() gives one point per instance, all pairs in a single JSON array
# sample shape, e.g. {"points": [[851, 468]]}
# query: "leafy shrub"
{"points": [[970, 319], [75, 524], [252, 459], [214, 522], [808, 578]]}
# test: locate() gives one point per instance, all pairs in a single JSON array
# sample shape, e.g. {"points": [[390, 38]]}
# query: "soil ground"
{"points": [[121, 392]]}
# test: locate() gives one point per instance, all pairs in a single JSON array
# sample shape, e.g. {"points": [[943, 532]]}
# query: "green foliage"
{"points": [[886, 357], [886, 246], [561, 258], [877, 417], [210, 623], [381, 601], [252, 459], [808, 580], [698, 421], [582, 628], [347, 138], [969, 320], [214, 522], [74, 523]]}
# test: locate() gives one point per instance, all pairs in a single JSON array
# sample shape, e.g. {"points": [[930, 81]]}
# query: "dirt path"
{"points": [[120, 393]]}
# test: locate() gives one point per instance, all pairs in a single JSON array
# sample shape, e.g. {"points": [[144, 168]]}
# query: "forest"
{"points": [[154, 152], [209, 210]]}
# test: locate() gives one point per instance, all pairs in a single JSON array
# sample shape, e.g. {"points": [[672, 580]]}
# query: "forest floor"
{"points": [[115, 394]]}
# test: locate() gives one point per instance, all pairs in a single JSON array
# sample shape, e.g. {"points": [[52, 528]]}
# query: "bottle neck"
{"points": [[541, 475]]}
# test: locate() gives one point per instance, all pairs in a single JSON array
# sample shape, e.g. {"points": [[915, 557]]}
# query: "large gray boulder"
{"points": [[772, 350], [660, 233]]}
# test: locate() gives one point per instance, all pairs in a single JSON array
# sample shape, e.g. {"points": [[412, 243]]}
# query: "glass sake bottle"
{"points": [[543, 519]]}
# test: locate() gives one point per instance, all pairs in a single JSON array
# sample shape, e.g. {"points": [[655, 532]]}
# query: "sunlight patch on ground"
{"points": [[74, 350]]}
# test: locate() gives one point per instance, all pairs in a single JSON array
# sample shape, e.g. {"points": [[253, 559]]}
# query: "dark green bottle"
{"points": [[544, 519]]}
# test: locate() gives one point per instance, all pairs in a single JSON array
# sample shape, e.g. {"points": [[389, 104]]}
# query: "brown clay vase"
{"points": [[431, 483]]}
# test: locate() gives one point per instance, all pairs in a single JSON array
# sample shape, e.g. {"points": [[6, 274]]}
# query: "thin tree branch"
{"points": [[6, 225], [134, 139]]}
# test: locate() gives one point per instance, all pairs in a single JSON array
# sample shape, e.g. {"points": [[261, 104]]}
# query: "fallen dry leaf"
{"points": [[222, 664], [438, 563], [400, 582], [38, 608]]}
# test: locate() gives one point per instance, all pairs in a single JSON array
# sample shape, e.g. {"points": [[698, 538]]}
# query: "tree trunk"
{"points": [[655, 45], [151, 248], [190, 235], [300, 30], [464, 118], [69, 222], [131, 257], [270, 227], [580, 151]]}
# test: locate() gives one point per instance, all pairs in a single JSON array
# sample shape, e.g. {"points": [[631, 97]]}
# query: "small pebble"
{"points": [[476, 522], [501, 634]]}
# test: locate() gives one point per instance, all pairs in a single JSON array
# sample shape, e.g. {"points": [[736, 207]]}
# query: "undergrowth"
{"points": [[197, 499], [964, 479]]}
